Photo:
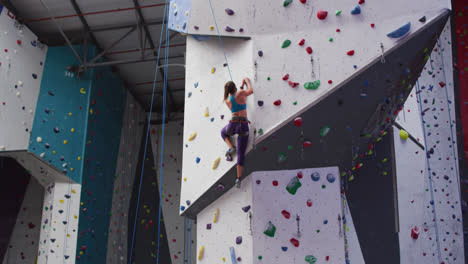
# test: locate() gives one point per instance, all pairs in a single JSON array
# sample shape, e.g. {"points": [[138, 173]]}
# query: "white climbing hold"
{"points": [[18, 94], [20, 83], [39, 139], [207, 112], [42, 155], [2, 148]]}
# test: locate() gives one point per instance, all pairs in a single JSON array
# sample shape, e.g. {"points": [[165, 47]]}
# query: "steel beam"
{"points": [[112, 45], [120, 62]]}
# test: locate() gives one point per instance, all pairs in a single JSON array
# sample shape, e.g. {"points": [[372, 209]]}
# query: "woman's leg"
{"points": [[242, 141], [226, 134]]}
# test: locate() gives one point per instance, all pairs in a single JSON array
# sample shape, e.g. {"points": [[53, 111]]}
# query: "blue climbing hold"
{"points": [[315, 176], [197, 160], [331, 178], [284, 249], [182, 208], [400, 32], [356, 10], [195, 85], [187, 202]]}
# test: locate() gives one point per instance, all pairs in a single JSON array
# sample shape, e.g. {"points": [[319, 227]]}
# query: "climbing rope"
{"points": [[439, 254], [148, 132]]}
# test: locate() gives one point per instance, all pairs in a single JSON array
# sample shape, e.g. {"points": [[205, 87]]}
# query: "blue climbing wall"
{"points": [[59, 128], [107, 103]]}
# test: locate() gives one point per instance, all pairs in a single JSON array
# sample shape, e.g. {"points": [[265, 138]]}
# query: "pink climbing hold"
{"points": [[415, 232], [307, 144], [322, 14], [350, 53], [277, 102], [298, 121], [309, 50], [295, 242], [286, 214], [286, 77], [302, 42]]}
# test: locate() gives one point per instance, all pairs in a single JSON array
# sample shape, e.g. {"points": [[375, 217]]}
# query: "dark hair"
{"points": [[229, 88]]}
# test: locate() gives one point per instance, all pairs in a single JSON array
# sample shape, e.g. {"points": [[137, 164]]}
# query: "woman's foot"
{"points": [[238, 183], [231, 151]]}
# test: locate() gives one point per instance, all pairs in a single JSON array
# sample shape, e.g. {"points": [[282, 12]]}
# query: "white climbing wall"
{"points": [[245, 212], [268, 24], [21, 66], [427, 180], [24, 241], [176, 225], [410, 117], [59, 223], [130, 142]]}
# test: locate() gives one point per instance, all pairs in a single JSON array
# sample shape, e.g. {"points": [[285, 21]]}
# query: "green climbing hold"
{"points": [[260, 131], [268, 78], [324, 131], [290, 147], [270, 230], [286, 44], [295, 103], [260, 257], [293, 185], [312, 85], [287, 2], [310, 259], [330, 39], [282, 157], [338, 12]]}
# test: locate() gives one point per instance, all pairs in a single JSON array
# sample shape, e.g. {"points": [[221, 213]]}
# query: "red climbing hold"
{"points": [[306, 144], [303, 1], [286, 214], [19, 42], [415, 232], [309, 203], [275, 183], [350, 53], [322, 14], [295, 242], [372, 25], [338, 30], [293, 84], [277, 102], [309, 50], [302, 42], [362, 2], [330, 81], [300, 175], [286, 77], [442, 84], [327, 258], [298, 121]]}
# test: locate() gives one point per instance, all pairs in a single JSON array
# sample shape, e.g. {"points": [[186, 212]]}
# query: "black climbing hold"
{"points": [[422, 19], [67, 196], [34, 76], [260, 103], [229, 29], [260, 53], [51, 93]]}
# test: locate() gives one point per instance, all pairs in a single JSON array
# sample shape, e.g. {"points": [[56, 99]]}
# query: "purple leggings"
{"points": [[241, 129]]}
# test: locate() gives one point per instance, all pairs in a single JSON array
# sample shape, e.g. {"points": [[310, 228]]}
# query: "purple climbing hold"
{"points": [[260, 103], [246, 208], [208, 226], [229, 11], [238, 240], [229, 29], [220, 188], [239, 259], [258, 181], [222, 116], [260, 53], [241, 30], [196, 27]]}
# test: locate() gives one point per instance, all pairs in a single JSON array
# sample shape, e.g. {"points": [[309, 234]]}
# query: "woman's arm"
{"points": [[249, 90]]}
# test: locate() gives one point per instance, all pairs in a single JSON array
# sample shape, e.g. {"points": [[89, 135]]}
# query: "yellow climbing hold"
{"points": [[79, 158], [54, 152], [91, 111], [213, 70], [70, 114], [224, 259], [72, 130], [82, 91], [200, 252], [75, 216], [185, 179], [61, 201], [216, 163], [211, 28], [65, 142], [216, 215], [192, 136], [207, 112], [73, 191], [403, 134]]}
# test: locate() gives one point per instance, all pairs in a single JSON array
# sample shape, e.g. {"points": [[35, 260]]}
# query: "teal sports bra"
{"points": [[235, 106]]}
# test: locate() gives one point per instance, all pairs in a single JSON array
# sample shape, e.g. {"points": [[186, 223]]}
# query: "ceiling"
{"points": [[107, 21]]}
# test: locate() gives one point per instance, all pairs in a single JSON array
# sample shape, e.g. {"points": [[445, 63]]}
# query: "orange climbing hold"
{"points": [[322, 14], [350, 53]]}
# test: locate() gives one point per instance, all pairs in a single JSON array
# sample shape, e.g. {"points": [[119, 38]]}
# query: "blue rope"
{"points": [[147, 136], [166, 56], [430, 177], [451, 125], [220, 40]]}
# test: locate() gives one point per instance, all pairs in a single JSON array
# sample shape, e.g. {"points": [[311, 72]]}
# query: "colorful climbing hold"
{"points": [[400, 32], [216, 163], [277, 102], [200, 252], [324, 131], [309, 203], [303, 1], [246, 208], [270, 229], [286, 77], [404, 135], [284, 249], [310, 259], [213, 70], [298, 121], [322, 14], [192, 136], [356, 10], [302, 42], [415, 232], [315, 176], [286, 214], [229, 11], [331, 178], [338, 12], [294, 241], [238, 240], [287, 3], [309, 50], [286, 44], [299, 174], [275, 183], [350, 53], [293, 185], [307, 144], [229, 29], [216, 215], [312, 85]]}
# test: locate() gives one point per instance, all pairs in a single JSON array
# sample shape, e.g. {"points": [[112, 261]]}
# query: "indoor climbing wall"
{"points": [[23, 243], [297, 216], [21, 67], [181, 241], [104, 127], [236, 228], [291, 68], [59, 223], [428, 180], [59, 130], [132, 131]]}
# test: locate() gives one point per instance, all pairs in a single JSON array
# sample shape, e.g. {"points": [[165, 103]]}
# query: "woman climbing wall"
{"points": [[239, 124]]}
